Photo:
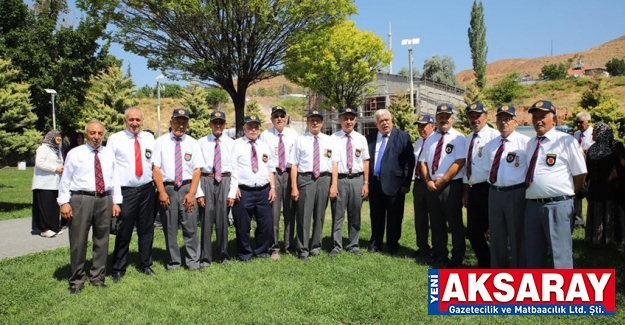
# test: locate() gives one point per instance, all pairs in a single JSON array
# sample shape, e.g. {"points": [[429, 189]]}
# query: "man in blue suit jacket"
{"points": [[390, 173]]}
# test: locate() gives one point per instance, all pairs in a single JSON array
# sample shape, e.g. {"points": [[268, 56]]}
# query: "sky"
{"points": [[515, 29]]}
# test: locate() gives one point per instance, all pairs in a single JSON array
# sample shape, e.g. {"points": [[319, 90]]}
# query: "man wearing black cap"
{"points": [[313, 176], [391, 174], [133, 159], [441, 165], [556, 171], [217, 190], [177, 169], [254, 173], [475, 194], [280, 140], [507, 164], [425, 126], [353, 182]]}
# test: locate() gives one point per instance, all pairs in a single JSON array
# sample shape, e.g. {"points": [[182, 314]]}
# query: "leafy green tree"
{"points": [[440, 70], [603, 107], [403, 71], [337, 63], [403, 116], [616, 67], [231, 43], [554, 71], [505, 91], [477, 42], [473, 94], [461, 122], [108, 98], [18, 136], [254, 108], [215, 97], [172, 91], [50, 53], [145, 92], [199, 111]]}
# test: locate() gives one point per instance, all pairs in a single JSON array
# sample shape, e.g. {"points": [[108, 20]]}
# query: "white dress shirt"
{"points": [[243, 157], [303, 150], [587, 139], [480, 167], [79, 173], [566, 160], [45, 176], [271, 139], [454, 148], [228, 161], [122, 144], [360, 151], [165, 156], [416, 152], [513, 162]]}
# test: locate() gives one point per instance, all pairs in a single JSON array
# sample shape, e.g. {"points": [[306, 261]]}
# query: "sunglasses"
{"points": [[579, 122], [279, 116]]}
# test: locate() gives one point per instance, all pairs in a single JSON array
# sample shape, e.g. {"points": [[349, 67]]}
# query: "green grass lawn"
{"points": [[346, 289], [16, 198]]}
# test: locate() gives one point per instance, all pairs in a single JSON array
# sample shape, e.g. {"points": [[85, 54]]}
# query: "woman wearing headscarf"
{"points": [[48, 170], [77, 139], [601, 162]]}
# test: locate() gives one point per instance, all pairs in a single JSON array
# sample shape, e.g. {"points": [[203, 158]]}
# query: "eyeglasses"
{"points": [[579, 122], [279, 116]]}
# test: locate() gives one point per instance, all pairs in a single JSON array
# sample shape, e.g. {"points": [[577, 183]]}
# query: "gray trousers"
{"points": [[176, 215], [579, 217], [506, 217], [421, 216], [285, 204], [446, 209], [215, 213], [548, 227], [348, 200], [89, 211], [312, 203]]}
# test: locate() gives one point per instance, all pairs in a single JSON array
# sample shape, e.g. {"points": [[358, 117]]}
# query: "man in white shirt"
{"points": [[313, 177], [280, 139], [583, 135], [556, 171], [217, 190], [133, 160], [353, 182], [254, 173], [475, 194], [441, 166], [177, 169], [507, 164], [89, 194], [425, 126]]}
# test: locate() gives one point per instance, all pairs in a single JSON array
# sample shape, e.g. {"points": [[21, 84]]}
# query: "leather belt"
{"points": [[91, 193], [138, 188], [212, 175], [320, 174], [354, 175], [185, 182], [507, 188], [253, 188], [286, 170], [553, 199]]}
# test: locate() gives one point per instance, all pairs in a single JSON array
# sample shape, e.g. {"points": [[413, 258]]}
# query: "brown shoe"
{"points": [[275, 256]]}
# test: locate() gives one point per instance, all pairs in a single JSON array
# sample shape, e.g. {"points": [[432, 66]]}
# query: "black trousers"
{"points": [[138, 209], [46, 211], [253, 203], [386, 212], [477, 222]]}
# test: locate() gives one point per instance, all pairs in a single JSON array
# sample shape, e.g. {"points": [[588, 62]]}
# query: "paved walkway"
{"points": [[16, 239]]}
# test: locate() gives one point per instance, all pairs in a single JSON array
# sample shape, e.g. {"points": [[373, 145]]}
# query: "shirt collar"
{"points": [[132, 135], [551, 134]]}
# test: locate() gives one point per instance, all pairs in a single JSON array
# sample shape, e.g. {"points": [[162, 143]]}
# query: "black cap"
{"points": [[347, 110], [543, 105], [314, 112], [445, 108], [278, 108], [506, 109], [476, 107], [218, 115], [251, 118], [424, 119], [180, 112]]}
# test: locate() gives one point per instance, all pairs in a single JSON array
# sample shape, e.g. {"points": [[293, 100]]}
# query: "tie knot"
{"points": [[280, 135], [216, 140], [384, 135], [541, 139], [95, 151], [504, 140], [178, 139], [136, 136], [348, 136], [252, 141], [474, 135]]}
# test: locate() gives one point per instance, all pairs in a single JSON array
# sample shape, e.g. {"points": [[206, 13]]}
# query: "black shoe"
{"points": [[75, 291], [372, 250], [334, 252], [101, 285], [147, 271], [455, 264], [394, 253], [420, 254], [117, 276], [314, 253]]}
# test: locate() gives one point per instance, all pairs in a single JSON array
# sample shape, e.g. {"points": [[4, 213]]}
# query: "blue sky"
{"points": [[515, 29]]}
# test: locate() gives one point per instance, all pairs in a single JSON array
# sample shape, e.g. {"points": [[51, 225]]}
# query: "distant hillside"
{"points": [[595, 57]]}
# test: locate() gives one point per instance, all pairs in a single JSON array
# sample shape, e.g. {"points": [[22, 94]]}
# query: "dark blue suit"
{"points": [[386, 199]]}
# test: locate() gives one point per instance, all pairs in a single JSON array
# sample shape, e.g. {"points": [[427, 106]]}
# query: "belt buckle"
{"points": [[499, 189]]}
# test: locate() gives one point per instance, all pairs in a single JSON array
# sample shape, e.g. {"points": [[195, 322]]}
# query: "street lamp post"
{"points": [[158, 91], [53, 93], [410, 42]]}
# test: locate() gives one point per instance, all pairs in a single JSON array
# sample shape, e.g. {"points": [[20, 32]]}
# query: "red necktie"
{"points": [[437, 152], [470, 156], [178, 157], [350, 154], [254, 157], [316, 157], [99, 178], [495, 167], [417, 170], [529, 177], [217, 161], [281, 154], [138, 160]]}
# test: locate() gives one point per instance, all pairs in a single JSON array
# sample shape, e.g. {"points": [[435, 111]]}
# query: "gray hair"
{"points": [[132, 109], [95, 121], [381, 112], [584, 115]]}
